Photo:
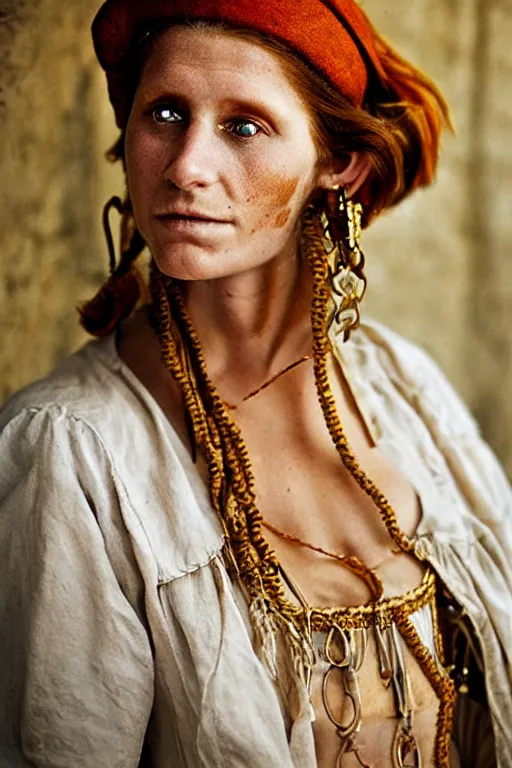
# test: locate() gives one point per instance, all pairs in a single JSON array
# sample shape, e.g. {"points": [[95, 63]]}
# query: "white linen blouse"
{"points": [[119, 623]]}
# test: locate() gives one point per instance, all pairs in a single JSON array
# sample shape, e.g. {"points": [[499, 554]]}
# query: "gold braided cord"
{"points": [[443, 686], [230, 475], [248, 539], [383, 613], [312, 247], [173, 357], [232, 487]]}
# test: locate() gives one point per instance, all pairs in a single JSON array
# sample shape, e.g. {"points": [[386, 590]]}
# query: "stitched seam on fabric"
{"points": [[194, 569]]}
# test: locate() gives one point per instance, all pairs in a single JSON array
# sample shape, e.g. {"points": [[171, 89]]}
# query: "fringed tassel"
{"points": [[265, 635], [287, 653]]}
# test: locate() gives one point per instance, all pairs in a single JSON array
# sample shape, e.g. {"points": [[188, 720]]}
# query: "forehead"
{"points": [[218, 59]]}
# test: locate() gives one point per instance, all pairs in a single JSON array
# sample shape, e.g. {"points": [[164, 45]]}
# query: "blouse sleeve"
{"points": [[76, 672]]}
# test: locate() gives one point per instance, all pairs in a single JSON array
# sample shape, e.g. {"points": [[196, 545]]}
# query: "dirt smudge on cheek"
{"points": [[280, 190], [274, 193], [281, 218]]}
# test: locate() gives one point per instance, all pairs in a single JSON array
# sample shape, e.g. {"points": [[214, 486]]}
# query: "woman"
{"points": [[196, 568]]}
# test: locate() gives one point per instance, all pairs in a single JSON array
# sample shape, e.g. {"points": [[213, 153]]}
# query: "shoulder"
{"points": [[84, 385], [87, 418], [90, 394], [452, 445], [415, 376], [91, 434], [396, 354]]}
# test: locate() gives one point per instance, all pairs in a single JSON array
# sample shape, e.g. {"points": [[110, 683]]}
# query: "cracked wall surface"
{"points": [[439, 266]]}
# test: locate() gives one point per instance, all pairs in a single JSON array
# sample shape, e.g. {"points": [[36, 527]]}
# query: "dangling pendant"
{"points": [[349, 747], [345, 651], [383, 656], [342, 233], [406, 752]]}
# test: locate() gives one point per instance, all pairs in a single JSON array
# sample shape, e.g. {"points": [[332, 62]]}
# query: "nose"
{"points": [[193, 159]]}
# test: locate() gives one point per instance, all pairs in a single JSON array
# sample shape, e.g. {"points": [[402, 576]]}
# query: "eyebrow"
{"points": [[265, 109]]}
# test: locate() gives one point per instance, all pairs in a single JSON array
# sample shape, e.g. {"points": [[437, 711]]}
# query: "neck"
{"points": [[252, 323]]}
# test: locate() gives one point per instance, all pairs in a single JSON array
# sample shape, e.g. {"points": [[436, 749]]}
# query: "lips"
{"points": [[189, 216]]}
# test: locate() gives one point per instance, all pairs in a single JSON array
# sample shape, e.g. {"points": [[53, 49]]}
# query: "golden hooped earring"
{"points": [[341, 224]]}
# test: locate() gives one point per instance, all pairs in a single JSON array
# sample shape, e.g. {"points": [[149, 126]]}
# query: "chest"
{"points": [[304, 490]]}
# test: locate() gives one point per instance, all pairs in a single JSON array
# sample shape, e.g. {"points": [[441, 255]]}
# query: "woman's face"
{"points": [[220, 156]]}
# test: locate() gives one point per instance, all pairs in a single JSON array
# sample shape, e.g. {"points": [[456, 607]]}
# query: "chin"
{"points": [[193, 263]]}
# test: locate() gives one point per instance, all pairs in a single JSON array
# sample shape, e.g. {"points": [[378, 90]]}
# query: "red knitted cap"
{"points": [[334, 35]]}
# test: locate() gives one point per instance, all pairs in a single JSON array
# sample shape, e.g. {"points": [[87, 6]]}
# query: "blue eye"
{"points": [[165, 115], [244, 129]]}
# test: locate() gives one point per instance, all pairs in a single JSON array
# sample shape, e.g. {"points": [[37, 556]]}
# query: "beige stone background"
{"points": [[440, 269]]}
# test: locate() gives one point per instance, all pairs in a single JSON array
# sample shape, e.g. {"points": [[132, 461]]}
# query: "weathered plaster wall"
{"points": [[439, 266], [54, 129]]}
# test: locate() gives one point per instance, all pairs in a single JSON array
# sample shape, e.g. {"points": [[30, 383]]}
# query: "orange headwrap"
{"points": [[335, 36]]}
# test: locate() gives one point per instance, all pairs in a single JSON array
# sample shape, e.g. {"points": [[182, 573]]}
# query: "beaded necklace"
{"points": [[232, 494]]}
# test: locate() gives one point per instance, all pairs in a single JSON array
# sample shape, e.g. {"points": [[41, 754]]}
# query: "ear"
{"points": [[351, 173]]}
